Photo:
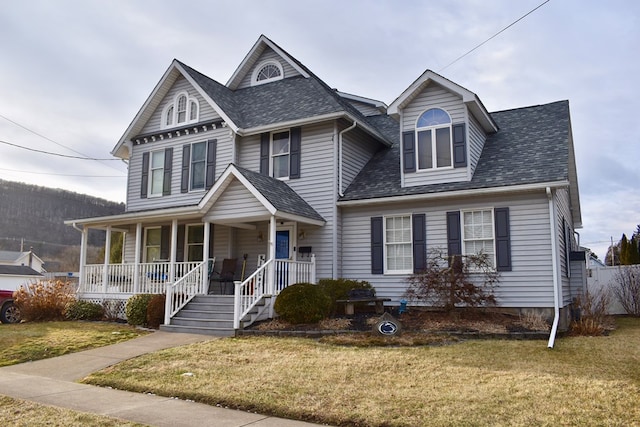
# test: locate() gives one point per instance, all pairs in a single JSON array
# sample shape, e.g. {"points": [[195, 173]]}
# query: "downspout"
{"points": [[355, 123], [554, 263]]}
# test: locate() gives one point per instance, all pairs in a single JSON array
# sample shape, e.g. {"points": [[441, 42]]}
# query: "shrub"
{"points": [[112, 309], [462, 281], [627, 289], [44, 301], [83, 310], [155, 311], [136, 309], [337, 289], [591, 318], [302, 303]]}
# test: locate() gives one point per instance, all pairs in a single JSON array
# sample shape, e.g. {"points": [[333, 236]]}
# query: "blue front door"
{"points": [[282, 244]]}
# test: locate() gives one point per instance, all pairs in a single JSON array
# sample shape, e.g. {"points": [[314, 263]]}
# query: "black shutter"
{"points": [[168, 165], [144, 184], [212, 145], [377, 245], [180, 255], [454, 236], [409, 151], [294, 153], [419, 243], [503, 239], [264, 153], [165, 242], [459, 146], [186, 160]]}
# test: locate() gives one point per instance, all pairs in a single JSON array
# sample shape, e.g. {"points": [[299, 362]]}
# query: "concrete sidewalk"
{"points": [[51, 382]]}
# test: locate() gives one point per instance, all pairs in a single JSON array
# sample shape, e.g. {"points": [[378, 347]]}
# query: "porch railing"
{"points": [[268, 280], [147, 278], [193, 283]]}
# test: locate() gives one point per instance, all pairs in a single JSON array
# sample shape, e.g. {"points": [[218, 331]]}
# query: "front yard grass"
{"points": [[25, 342], [583, 381]]}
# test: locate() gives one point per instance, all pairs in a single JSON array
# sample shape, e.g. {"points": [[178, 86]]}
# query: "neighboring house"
{"points": [[309, 182], [19, 268]]}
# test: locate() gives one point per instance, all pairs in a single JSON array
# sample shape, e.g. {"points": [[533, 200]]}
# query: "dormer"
{"points": [[443, 127]]}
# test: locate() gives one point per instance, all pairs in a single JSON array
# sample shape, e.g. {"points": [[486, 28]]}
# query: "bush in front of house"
{"points": [[44, 300], [136, 309], [303, 303], [83, 310], [155, 311], [338, 289]]}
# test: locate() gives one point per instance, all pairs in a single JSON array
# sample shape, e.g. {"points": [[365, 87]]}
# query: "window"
{"points": [[182, 110], [195, 242], [477, 233], [280, 154], [198, 165], [398, 244], [267, 71], [152, 244], [156, 171], [433, 133]]}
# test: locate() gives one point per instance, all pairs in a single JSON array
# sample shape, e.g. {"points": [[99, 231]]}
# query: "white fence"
{"points": [[604, 278]]}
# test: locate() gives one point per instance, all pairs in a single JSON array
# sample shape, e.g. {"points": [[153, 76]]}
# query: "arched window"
{"points": [[433, 133], [181, 111], [267, 71]]}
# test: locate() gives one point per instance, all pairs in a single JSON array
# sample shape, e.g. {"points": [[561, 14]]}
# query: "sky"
{"points": [[74, 73]]}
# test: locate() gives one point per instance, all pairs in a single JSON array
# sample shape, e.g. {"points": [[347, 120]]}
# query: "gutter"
{"points": [[554, 262], [343, 131]]}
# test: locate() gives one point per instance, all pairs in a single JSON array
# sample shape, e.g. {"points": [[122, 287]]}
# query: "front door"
{"points": [[283, 240], [284, 252]]}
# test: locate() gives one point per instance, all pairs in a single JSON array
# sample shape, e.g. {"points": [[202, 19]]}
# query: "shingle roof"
{"points": [[280, 195], [532, 146], [18, 270], [9, 256]]}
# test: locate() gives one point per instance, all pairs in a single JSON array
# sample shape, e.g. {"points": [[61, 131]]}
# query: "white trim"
{"points": [[272, 156], [386, 270], [362, 99], [174, 103], [204, 170], [493, 232], [151, 194], [458, 193], [145, 243], [186, 240], [257, 69], [434, 152]]}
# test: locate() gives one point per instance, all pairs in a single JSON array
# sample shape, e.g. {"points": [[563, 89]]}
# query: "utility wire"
{"points": [[63, 174], [495, 35], [56, 154]]}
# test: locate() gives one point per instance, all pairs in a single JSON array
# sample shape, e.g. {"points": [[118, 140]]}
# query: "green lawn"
{"points": [[583, 381]]}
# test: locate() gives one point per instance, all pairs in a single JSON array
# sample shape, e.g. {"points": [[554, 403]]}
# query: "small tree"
{"points": [[462, 281], [627, 289]]}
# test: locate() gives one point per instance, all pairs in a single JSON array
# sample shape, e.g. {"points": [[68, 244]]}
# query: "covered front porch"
{"points": [[181, 251]]}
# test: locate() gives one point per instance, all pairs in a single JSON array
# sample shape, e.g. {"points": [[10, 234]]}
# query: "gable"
{"points": [[236, 203], [433, 96], [267, 56]]}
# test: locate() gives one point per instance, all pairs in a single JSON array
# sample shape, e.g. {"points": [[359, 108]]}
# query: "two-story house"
{"points": [[296, 181]]}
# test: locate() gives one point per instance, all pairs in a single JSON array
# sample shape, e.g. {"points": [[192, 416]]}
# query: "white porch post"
{"points": [[136, 259], [107, 254], [83, 255], [272, 254], [174, 250], [205, 257]]}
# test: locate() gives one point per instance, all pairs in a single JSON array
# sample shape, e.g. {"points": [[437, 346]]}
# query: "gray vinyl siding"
{"points": [[223, 158], [248, 148], [129, 245], [475, 143], [235, 203], [434, 96], [364, 108], [357, 150], [563, 211], [529, 284], [181, 85], [269, 54]]}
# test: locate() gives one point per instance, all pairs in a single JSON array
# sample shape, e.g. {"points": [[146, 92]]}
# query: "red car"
{"points": [[9, 312]]}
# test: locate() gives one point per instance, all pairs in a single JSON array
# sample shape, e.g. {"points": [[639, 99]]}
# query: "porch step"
{"points": [[205, 314]]}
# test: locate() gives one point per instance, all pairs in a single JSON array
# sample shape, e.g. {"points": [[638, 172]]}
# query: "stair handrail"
{"points": [[249, 292], [179, 293]]}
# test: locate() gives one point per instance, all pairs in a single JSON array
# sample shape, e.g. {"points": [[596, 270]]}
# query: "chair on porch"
{"points": [[225, 276]]}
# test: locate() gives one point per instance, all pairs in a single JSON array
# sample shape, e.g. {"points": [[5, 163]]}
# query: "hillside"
{"points": [[37, 214]]}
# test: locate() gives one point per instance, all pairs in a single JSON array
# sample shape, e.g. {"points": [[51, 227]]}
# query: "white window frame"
{"points": [[387, 245], [273, 156], [188, 244], [147, 246], [191, 168], [258, 69], [160, 169], [175, 114], [433, 129], [465, 239]]}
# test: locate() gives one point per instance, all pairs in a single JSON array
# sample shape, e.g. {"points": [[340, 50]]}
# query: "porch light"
{"points": [[260, 237]]}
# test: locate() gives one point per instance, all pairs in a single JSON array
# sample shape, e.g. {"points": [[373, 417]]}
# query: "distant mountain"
{"points": [[37, 214]]}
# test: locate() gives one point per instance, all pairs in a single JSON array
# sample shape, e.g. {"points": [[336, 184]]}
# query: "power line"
{"points": [[56, 154], [495, 35], [63, 174]]}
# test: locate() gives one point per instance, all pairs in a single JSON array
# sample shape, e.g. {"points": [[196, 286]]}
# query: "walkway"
{"points": [[52, 382]]}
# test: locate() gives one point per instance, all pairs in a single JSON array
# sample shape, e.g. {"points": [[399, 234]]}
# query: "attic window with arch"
{"points": [[181, 111], [267, 71], [433, 133]]}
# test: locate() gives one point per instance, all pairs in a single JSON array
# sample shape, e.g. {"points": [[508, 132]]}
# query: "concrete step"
{"points": [[218, 332]]}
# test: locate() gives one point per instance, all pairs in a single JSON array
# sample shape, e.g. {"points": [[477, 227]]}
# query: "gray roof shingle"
{"points": [[532, 146], [18, 270]]}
